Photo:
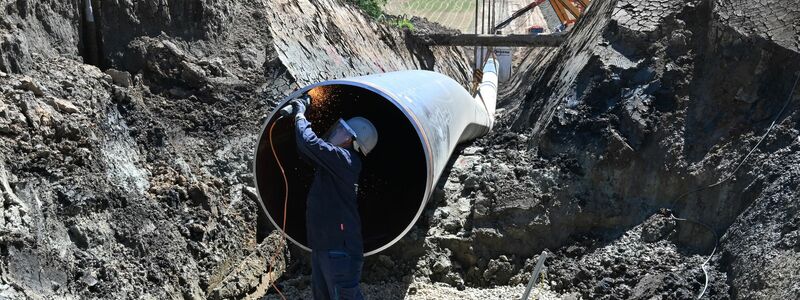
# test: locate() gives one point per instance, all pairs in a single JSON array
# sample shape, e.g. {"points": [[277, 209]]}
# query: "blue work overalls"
{"points": [[332, 220]]}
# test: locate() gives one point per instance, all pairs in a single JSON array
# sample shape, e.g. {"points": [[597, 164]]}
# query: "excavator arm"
{"points": [[561, 7]]}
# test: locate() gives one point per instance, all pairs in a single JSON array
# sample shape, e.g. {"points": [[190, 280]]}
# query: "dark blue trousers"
{"points": [[335, 275]]}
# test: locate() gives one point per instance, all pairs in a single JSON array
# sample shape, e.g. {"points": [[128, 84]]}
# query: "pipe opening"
{"points": [[393, 182]]}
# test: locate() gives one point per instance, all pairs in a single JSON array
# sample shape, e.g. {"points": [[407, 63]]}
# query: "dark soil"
{"points": [[625, 153]]}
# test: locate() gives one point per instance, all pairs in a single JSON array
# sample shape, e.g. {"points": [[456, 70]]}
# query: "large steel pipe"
{"points": [[421, 116]]}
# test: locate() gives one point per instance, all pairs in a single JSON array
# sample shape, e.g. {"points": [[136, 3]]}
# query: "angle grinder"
{"points": [[304, 99]]}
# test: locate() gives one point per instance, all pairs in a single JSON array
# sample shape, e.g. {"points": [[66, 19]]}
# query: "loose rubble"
{"points": [[132, 179], [634, 120]]}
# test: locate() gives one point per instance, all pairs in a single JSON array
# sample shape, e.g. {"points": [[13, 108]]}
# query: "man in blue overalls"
{"points": [[332, 219]]}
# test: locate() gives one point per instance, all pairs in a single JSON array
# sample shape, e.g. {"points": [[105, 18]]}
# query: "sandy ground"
{"points": [[420, 291]]}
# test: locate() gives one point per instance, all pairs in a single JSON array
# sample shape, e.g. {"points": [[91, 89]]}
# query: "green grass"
{"points": [[404, 24], [373, 8]]}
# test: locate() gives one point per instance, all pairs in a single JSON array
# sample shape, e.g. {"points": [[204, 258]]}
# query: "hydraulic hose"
{"points": [[729, 177]]}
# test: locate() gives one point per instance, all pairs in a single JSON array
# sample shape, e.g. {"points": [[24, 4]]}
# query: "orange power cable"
{"points": [[285, 205]]}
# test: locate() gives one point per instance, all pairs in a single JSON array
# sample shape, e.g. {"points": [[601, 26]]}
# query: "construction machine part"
{"points": [[559, 8], [517, 14], [571, 8], [421, 117], [562, 7], [491, 40]]}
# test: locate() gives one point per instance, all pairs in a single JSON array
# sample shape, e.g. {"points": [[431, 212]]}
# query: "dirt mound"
{"points": [[646, 106], [423, 26]]}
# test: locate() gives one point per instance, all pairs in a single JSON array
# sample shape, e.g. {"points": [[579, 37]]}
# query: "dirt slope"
{"points": [[606, 144], [136, 183], [613, 134]]}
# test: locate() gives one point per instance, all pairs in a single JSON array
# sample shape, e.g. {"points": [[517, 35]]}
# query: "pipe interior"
{"points": [[392, 184]]}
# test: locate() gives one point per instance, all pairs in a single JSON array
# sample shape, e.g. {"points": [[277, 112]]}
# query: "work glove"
{"points": [[298, 107]]}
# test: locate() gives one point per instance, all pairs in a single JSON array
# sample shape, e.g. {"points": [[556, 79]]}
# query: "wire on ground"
{"points": [[731, 175], [285, 203]]}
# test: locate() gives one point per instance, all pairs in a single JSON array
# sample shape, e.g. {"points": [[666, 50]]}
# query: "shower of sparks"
{"points": [[319, 95], [324, 109]]}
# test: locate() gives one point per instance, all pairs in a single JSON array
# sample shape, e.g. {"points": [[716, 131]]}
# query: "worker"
{"points": [[332, 219]]}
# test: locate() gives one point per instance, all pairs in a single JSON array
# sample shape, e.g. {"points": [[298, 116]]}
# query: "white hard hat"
{"points": [[366, 135]]}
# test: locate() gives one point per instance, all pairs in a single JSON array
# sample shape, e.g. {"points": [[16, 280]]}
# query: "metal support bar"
{"points": [[483, 16], [491, 17], [512, 40], [535, 276], [476, 16], [559, 9], [475, 57], [517, 14]]}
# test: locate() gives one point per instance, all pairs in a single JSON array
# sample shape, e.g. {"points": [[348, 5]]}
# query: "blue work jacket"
{"points": [[332, 219]]}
